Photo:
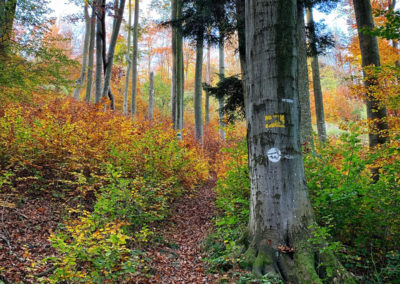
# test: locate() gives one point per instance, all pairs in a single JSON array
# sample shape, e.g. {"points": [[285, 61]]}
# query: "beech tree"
{"points": [[134, 58], [280, 209], [91, 55], [128, 59]]}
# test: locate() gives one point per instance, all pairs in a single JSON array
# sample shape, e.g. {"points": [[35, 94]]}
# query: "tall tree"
{"points": [[198, 116], [221, 101], [174, 62], [280, 209], [128, 59], [100, 15], [91, 55], [378, 126], [134, 58], [81, 81], [180, 76], [319, 103], [151, 96], [208, 81]]}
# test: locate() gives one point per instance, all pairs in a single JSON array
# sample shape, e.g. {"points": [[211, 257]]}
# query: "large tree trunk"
{"points": [[198, 117], [376, 113], [91, 55], [319, 104], [303, 84], [221, 101], [7, 16], [81, 81], [208, 81], [151, 97], [100, 14], [119, 13], [280, 209], [129, 60], [134, 58]]}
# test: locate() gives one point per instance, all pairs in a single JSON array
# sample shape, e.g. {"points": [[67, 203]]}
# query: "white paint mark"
{"points": [[290, 101], [274, 155]]}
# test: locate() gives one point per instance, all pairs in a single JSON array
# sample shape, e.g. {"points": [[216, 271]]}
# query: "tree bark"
{"points": [[280, 209], [129, 60], [88, 96], [208, 81], [100, 13], [119, 11], [198, 117], [378, 127], [240, 18], [7, 16], [179, 70], [221, 101], [151, 96], [174, 65], [134, 58], [303, 83], [81, 81], [319, 103]]}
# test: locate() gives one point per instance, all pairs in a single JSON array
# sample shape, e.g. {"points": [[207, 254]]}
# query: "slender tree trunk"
{"points": [[376, 113], [221, 101], [81, 81], [198, 117], [180, 70], [91, 55], [7, 15], [208, 81], [134, 58], [151, 96], [100, 13], [119, 11], [240, 17], [129, 60], [319, 103], [280, 209], [303, 84], [174, 66]]}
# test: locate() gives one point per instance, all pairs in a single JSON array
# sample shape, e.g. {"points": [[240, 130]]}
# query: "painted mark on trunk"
{"points": [[274, 155], [275, 120], [290, 101]]}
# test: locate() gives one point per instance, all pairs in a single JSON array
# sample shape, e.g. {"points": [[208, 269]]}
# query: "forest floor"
{"points": [[178, 257], [175, 258]]}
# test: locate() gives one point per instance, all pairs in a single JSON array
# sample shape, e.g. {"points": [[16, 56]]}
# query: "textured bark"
{"points": [[100, 13], [151, 97], [174, 66], [208, 81], [7, 16], [134, 58], [303, 84], [198, 117], [119, 8], [81, 81], [89, 83], [319, 104], [129, 60], [221, 101], [280, 209], [370, 57], [179, 70]]}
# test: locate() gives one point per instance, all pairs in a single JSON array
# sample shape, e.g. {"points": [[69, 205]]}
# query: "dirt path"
{"points": [[180, 261]]}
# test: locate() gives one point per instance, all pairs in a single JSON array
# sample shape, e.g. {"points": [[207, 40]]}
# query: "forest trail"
{"points": [[179, 260]]}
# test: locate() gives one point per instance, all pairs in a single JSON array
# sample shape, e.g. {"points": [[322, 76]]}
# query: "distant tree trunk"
{"points": [[392, 5], [240, 18], [134, 58], [180, 70], [151, 96], [198, 117], [129, 60], [302, 82], [119, 13], [7, 15], [208, 81], [100, 14], [91, 55], [280, 209], [376, 113], [174, 66], [81, 81], [319, 103], [221, 101]]}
